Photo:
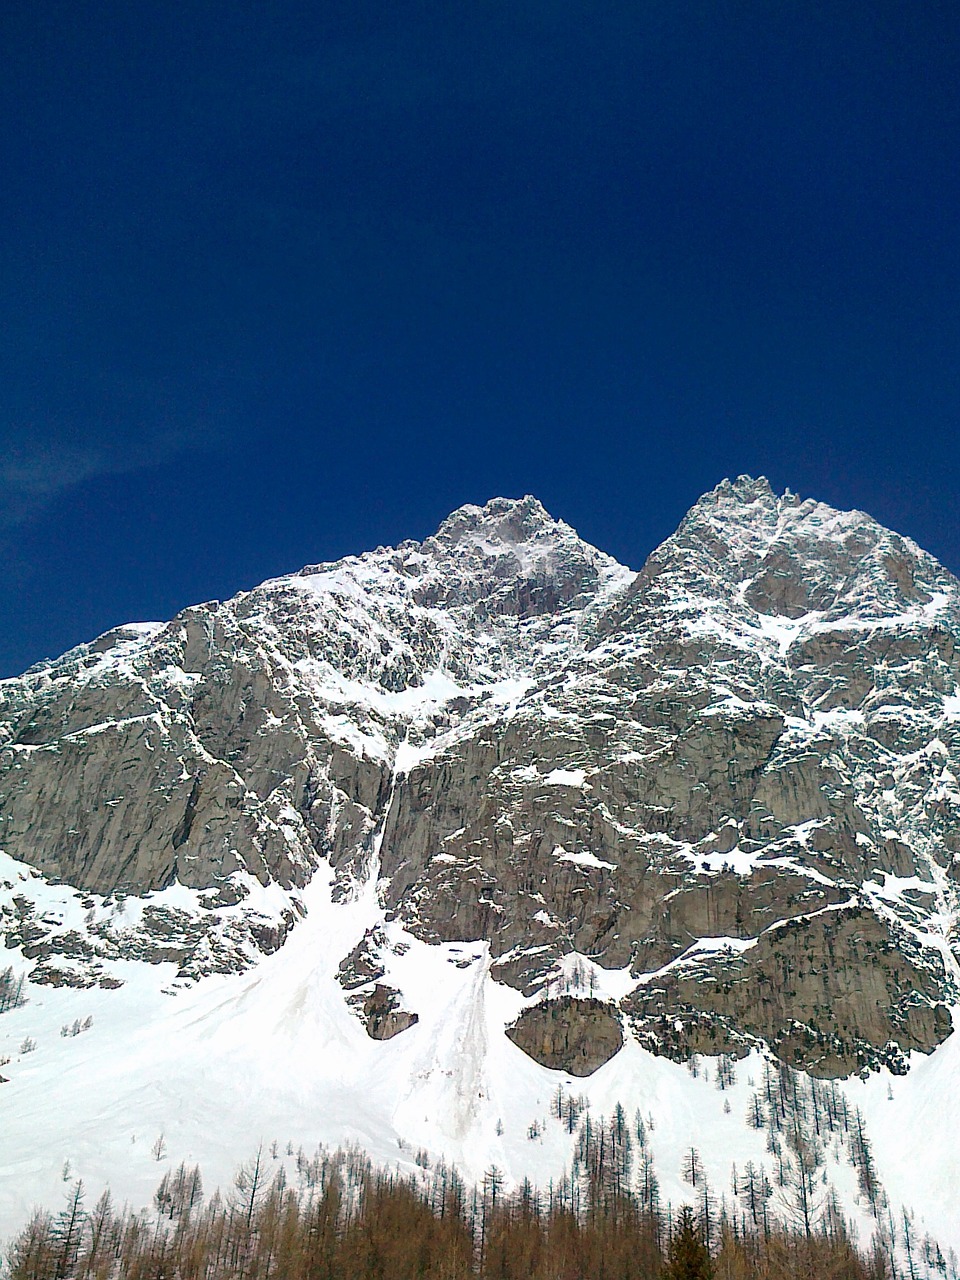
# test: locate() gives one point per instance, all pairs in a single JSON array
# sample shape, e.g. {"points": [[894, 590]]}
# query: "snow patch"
{"points": [[565, 778], [582, 858]]}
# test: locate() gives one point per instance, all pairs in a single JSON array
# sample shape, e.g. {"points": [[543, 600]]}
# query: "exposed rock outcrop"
{"points": [[732, 778], [383, 1015], [568, 1034]]}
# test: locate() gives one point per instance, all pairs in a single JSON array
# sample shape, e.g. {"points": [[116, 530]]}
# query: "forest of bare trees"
{"points": [[347, 1220], [334, 1216]]}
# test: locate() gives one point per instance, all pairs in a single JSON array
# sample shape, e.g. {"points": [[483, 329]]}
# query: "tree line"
{"points": [[348, 1220]]}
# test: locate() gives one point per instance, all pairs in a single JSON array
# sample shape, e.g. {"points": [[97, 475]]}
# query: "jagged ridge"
{"points": [[721, 793]]}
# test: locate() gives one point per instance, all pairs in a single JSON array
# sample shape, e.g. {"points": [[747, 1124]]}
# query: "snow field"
{"points": [[207, 1074]]}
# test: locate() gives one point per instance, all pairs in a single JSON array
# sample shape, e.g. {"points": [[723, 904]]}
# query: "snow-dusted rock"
{"points": [[731, 778]]}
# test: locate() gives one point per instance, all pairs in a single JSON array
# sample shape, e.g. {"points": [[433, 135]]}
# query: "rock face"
{"points": [[382, 1014], [568, 1034], [720, 794]]}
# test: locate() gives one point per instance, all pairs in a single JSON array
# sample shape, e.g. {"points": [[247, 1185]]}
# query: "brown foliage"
{"points": [[352, 1222]]}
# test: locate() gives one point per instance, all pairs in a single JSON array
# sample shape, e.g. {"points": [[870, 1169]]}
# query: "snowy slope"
{"points": [[274, 1056], [478, 776]]}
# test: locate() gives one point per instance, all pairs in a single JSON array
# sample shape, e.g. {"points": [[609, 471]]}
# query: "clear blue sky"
{"points": [[283, 281]]}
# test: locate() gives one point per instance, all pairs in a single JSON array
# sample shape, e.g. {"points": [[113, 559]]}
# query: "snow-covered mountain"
{"points": [[386, 850]]}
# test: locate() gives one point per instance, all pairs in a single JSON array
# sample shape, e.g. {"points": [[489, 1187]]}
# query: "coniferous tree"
{"points": [[689, 1257], [67, 1233], [32, 1254], [100, 1240], [349, 1221], [692, 1167]]}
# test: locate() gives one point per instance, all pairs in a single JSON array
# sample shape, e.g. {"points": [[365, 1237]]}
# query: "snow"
{"points": [[583, 858], [437, 688], [837, 719], [580, 975], [734, 860], [565, 778], [914, 1134], [785, 631], [143, 629], [894, 887], [276, 1054], [408, 756]]}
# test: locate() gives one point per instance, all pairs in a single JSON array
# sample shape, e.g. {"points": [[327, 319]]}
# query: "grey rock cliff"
{"points": [[732, 776]]}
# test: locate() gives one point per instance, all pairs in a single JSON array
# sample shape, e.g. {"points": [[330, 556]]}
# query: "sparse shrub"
{"points": [[11, 990]]}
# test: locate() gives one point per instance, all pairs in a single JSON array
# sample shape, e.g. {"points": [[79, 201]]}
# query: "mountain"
{"points": [[386, 849]]}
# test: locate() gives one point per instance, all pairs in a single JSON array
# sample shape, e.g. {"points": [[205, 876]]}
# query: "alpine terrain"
{"points": [[444, 849]]}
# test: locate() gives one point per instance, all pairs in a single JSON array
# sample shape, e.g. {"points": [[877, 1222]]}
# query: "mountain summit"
{"points": [[707, 808]]}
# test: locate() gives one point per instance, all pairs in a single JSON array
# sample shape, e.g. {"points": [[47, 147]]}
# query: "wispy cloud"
{"points": [[42, 458]]}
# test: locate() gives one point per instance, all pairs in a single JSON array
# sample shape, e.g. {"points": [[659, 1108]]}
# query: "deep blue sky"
{"points": [[284, 281]]}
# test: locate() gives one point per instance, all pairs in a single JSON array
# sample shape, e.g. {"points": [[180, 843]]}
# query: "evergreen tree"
{"points": [[689, 1257], [67, 1233], [348, 1221]]}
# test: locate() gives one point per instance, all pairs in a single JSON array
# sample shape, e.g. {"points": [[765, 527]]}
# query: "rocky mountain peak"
{"points": [[507, 521], [507, 558], [534, 749], [741, 491], [744, 545], [511, 558], [494, 787]]}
